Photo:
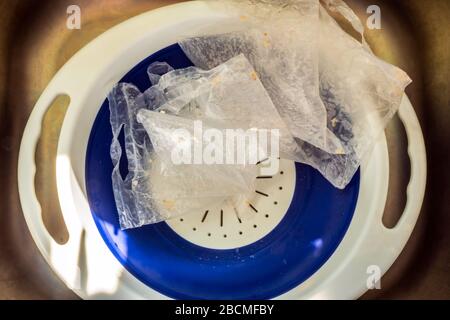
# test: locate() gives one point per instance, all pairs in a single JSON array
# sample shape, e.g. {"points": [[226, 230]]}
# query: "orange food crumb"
{"points": [[169, 204], [216, 80], [334, 122]]}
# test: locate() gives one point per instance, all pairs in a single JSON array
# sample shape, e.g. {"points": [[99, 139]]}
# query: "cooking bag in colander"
{"points": [[320, 79], [159, 124]]}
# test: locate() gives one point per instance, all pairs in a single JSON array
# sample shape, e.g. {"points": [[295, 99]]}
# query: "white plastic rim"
{"points": [[87, 78]]}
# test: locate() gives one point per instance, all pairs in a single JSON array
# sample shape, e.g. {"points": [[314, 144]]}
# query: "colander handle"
{"points": [[63, 256], [416, 187], [391, 241]]}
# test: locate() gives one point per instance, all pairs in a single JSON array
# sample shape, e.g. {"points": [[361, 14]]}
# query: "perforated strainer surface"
{"points": [[221, 227]]}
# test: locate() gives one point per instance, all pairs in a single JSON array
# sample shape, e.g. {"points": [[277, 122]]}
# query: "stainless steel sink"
{"points": [[35, 43]]}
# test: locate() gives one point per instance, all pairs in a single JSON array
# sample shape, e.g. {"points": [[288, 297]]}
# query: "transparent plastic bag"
{"points": [[358, 92], [279, 38], [157, 187], [154, 190], [361, 94], [227, 96]]}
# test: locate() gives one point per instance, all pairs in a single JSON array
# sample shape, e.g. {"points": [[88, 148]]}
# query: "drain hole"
{"points": [[181, 220], [194, 229], [266, 215], [255, 226], [209, 234], [237, 214], [251, 206], [281, 172], [275, 203], [224, 235], [240, 232], [204, 216], [281, 188], [261, 161]]}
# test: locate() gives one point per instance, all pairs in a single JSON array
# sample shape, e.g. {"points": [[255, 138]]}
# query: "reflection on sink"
{"points": [[35, 43]]}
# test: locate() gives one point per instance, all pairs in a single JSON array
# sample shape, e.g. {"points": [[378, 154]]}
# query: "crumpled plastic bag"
{"points": [[154, 190], [361, 93], [158, 188], [358, 92], [280, 40], [220, 98]]}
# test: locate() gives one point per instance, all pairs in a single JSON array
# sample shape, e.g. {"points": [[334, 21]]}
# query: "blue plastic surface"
{"points": [[310, 232]]}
